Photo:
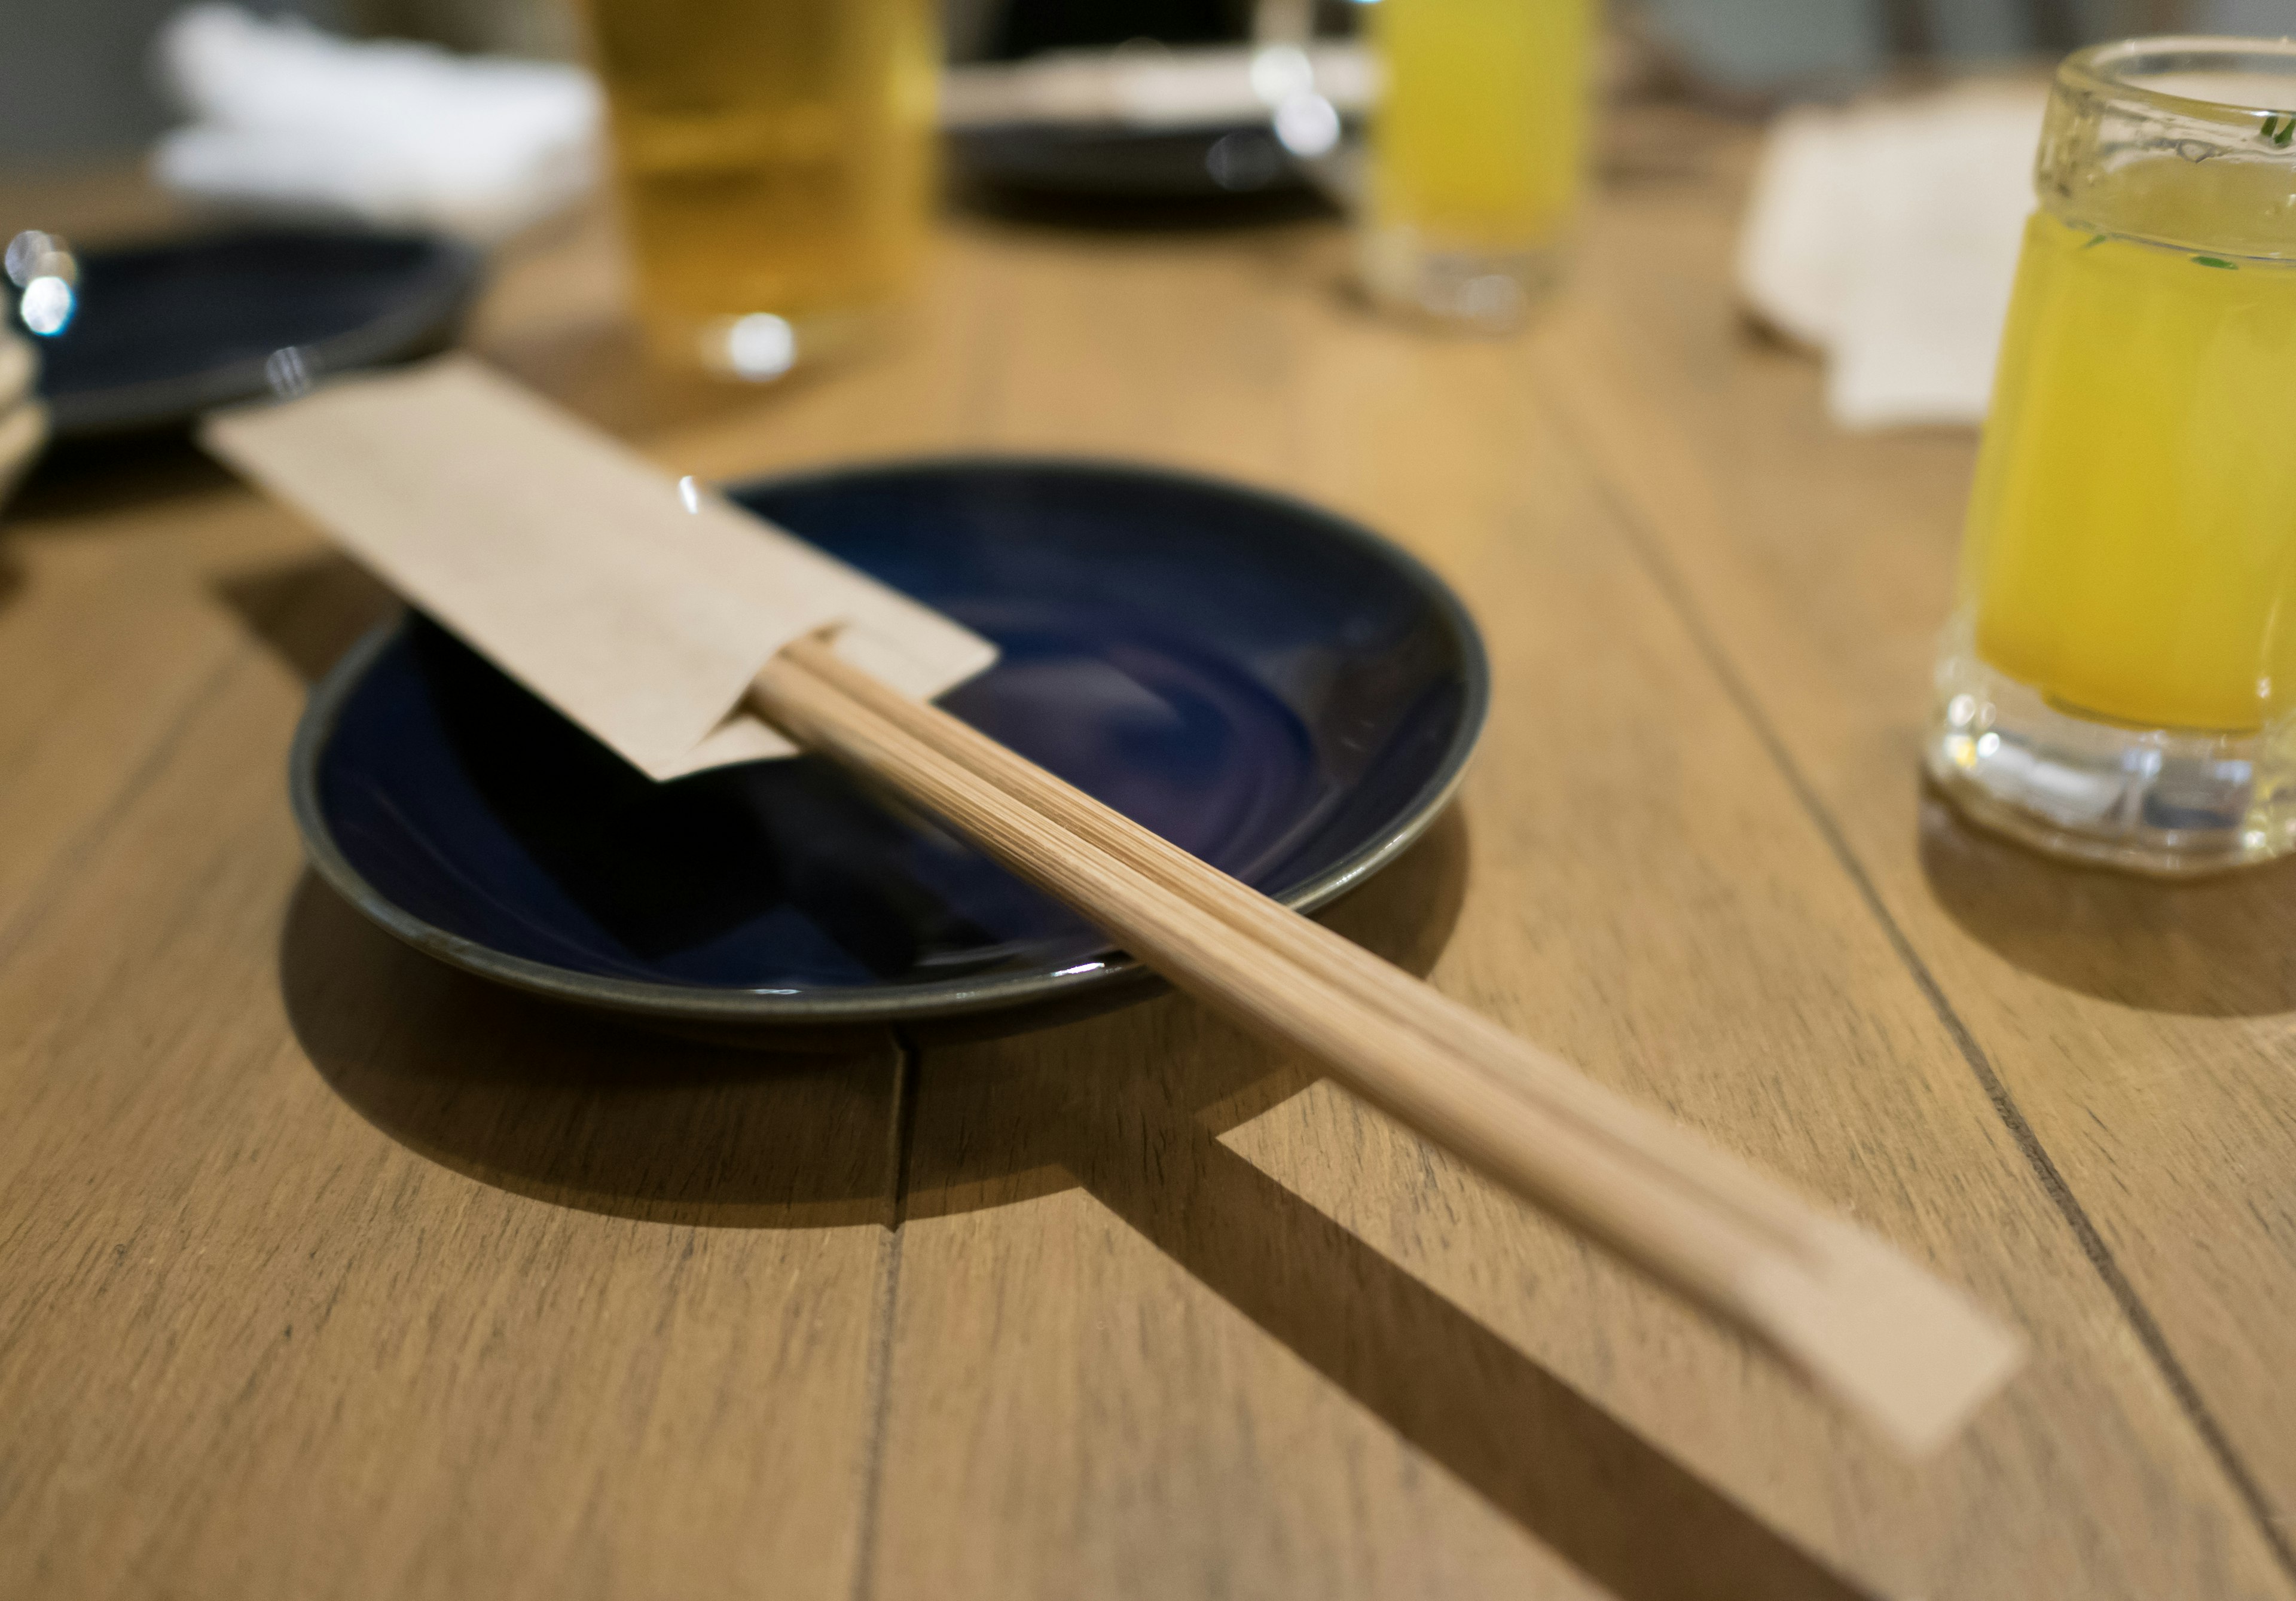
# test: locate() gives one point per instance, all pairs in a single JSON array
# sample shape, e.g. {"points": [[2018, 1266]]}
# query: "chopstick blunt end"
{"points": [[1884, 1337]]}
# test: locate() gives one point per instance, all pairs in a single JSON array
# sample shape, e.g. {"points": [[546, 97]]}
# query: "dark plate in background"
{"points": [[160, 333], [1274, 688], [1240, 168]]}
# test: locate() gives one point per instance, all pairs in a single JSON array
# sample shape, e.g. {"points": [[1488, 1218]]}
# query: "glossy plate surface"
{"points": [[1274, 688]]}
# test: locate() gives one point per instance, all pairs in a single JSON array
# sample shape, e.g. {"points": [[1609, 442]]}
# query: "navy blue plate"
{"points": [[1278, 690], [160, 333], [1232, 166]]}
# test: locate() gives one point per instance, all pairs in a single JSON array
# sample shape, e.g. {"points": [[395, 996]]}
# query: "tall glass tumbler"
{"points": [[773, 160], [1478, 153], [2117, 682]]}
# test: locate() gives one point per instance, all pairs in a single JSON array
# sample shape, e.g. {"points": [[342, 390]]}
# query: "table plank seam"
{"points": [[1645, 543], [901, 1143]]}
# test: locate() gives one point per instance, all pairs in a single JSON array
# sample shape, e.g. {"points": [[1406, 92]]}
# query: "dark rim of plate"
{"points": [[865, 1004], [430, 303]]}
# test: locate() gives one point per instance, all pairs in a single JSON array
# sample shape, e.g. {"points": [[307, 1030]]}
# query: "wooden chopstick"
{"points": [[1859, 1319]]}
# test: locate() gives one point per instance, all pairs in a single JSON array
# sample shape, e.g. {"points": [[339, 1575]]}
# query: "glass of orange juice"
{"points": [[774, 166], [1477, 153], [2119, 679]]}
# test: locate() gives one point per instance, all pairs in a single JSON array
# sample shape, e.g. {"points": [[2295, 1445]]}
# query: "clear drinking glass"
{"points": [[1477, 153], [775, 167], [2119, 679]]}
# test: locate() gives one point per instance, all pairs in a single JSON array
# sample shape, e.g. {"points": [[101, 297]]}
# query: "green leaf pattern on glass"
{"points": [[2280, 131]]}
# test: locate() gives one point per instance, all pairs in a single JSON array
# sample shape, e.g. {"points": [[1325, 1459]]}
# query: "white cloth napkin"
{"points": [[1887, 236], [388, 133]]}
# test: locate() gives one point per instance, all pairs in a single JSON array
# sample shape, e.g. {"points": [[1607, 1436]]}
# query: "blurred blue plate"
{"points": [[160, 332], [1239, 167], [1278, 690]]}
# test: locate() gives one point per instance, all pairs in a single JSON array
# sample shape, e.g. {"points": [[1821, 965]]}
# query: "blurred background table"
{"points": [[329, 1273]]}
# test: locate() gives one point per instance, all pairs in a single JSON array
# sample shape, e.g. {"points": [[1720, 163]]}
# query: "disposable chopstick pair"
{"points": [[640, 608], [1896, 1345]]}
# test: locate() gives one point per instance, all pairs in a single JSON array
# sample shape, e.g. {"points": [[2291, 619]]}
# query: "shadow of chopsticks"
{"points": [[1592, 1490], [1131, 1107]]}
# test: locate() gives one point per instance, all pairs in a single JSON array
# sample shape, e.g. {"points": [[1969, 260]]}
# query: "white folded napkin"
{"points": [[388, 133], [1887, 236]]}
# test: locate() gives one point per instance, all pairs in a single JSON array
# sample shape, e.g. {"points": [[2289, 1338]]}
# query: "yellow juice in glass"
{"points": [[774, 159], [2118, 683], [2132, 538], [1478, 150]]}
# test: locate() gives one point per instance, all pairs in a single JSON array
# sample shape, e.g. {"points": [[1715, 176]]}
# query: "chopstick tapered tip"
{"points": [[1886, 1338]]}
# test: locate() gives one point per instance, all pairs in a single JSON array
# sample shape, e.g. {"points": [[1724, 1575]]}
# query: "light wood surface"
{"points": [[328, 1273]]}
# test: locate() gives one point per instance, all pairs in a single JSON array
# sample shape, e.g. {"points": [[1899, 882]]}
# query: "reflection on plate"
{"points": [[1283, 694], [151, 336]]}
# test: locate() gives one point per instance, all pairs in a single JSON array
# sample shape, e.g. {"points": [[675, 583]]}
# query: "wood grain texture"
{"points": [[578, 1313], [330, 1273], [1645, 896], [2135, 1032]]}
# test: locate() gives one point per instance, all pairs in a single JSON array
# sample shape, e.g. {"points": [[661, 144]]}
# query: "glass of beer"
{"points": [[2119, 679], [1478, 151], [774, 161]]}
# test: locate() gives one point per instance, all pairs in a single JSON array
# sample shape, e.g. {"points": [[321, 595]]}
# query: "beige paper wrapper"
{"points": [[577, 567]]}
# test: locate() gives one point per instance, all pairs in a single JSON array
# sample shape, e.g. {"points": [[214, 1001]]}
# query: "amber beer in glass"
{"points": [[773, 160]]}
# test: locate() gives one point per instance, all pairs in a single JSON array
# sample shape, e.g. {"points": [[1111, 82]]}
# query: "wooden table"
{"points": [[325, 1272]]}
